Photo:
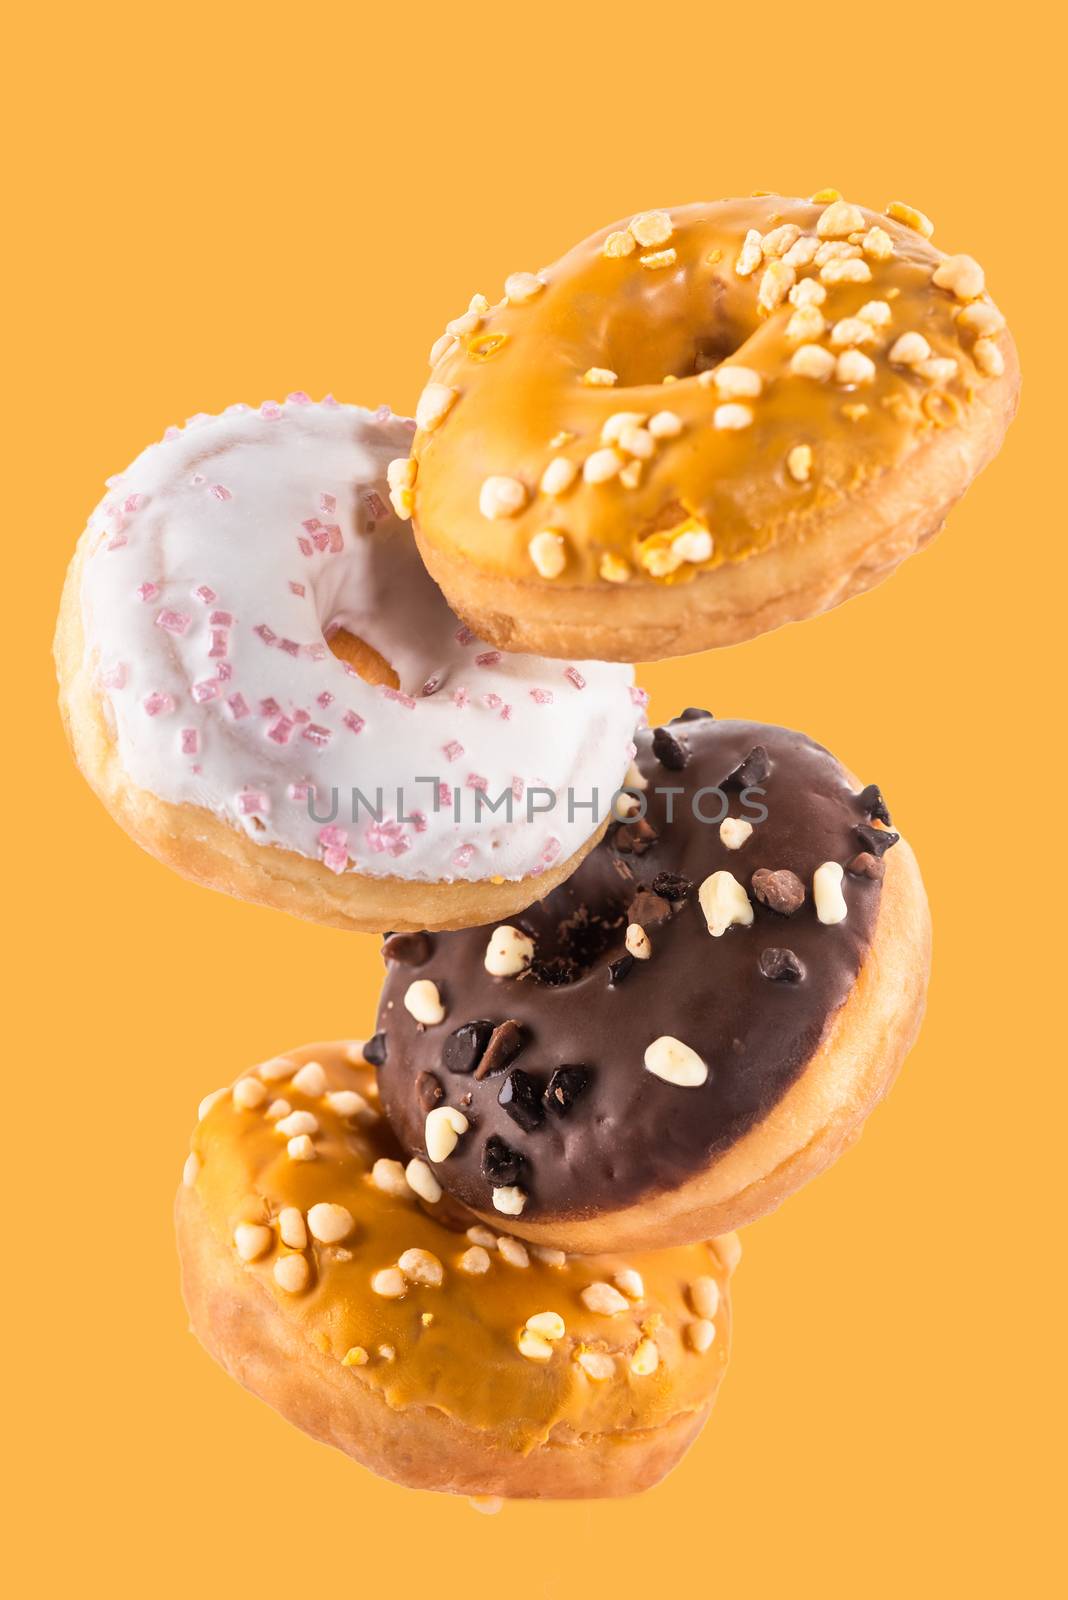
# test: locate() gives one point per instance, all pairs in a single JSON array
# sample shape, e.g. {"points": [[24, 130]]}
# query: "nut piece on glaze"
{"points": [[675, 1062]]}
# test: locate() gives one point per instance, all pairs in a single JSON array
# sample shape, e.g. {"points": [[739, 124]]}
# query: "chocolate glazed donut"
{"points": [[606, 1070]]}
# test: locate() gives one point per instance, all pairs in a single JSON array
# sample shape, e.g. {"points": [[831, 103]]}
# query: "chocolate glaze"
{"points": [[628, 1134]]}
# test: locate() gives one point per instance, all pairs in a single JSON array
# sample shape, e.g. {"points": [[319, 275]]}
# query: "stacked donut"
{"points": [[641, 983]]}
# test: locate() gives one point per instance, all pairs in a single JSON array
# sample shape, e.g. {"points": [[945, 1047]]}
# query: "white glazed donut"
{"points": [[210, 713]]}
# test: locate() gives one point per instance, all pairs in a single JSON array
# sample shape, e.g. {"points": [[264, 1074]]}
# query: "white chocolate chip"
{"points": [[310, 1080], [732, 416], [389, 1176], [596, 1364], [704, 1296], [725, 903], [558, 476], [737, 383], [191, 1169], [422, 1266], [442, 1131], [508, 953], [734, 831], [249, 1093], [547, 1324], [475, 1261], [601, 465], [700, 1334], [390, 1283], [812, 361], [910, 349], [291, 1228], [651, 228], [840, 220], [422, 1181], [799, 463], [675, 1062], [638, 943], [252, 1240], [329, 1224], [961, 275], [619, 244], [910, 217], [827, 893], [630, 1282], [600, 377], [296, 1123], [853, 366], [347, 1103], [512, 1251], [501, 497], [434, 405], [519, 287], [548, 552], [510, 1200], [988, 358], [534, 1347], [645, 1359], [300, 1148], [291, 1273], [423, 1001], [665, 425]]}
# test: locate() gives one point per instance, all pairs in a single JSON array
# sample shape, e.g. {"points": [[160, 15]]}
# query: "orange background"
{"points": [[213, 205]]}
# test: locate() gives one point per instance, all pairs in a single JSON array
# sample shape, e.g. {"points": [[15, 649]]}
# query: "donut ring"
{"points": [[318, 1277], [220, 729], [703, 424], [626, 1080]]}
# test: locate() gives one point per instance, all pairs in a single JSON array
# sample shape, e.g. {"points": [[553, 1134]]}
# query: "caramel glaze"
{"points": [[517, 371], [628, 1134], [453, 1347]]}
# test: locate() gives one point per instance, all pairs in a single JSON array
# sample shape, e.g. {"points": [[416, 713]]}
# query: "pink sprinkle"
{"points": [[253, 802], [300, 715], [299, 398], [444, 795], [315, 652], [147, 591], [134, 502], [114, 677], [396, 694], [463, 856], [173, 621], [171, 433], [573, 675], [325, 699], [224, 672], [290, 646], [353, 721], [158, 705], [333, 835], [506, 713], [551, 851], [464, 634], [517, 788], [220, 491], [639, 697], [328, 400], [306, 546], [453, 750], [475, 780], [206, 689], [197, 479], [335, 860], [375, 505], [203, 593], [387, 836], [542, 697], [311, 524], [271, 410], [280, 730], [262, 631], [238, 405], [117, 540], [222, 619], [382, 414], [239, 706], [300, 791], [190, 741], [220, 642], [461, 698], [419, 821], [492, 702], [488, 658], [336, 541], [296, 588], [316, 735], [320, 538], [327, 503]]}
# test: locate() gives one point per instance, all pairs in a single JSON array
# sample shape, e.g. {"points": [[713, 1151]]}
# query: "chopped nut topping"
{"points": [[645, 1359], [724, 902], [910, 349], [421, 1266], [732, 417], [300, 1148], [806, 325], [248, 1093], [779, 240], [252, 1240], [853, 366], [630, 475], [675, 1062], [613, 569], [799, 463], [631, 1283], [329, 1224], [877, 312], [558, 476], [602, 1299], [390, 1177], [435, 403], [802, 252], [347, 1103], [940, 369], [422, 1181], [845, 271], [596, 1364], [390, 1283], [852, 330], [600, 377], [442, 1130], [356, 1357], [734, 831], [693, 544], [534, 1347], [423, 1002], [547, 1324], [291, 1273], [961, 275], [704, 1296], [751, 254], [988, 358], [460, 327], [297, 1122], [502, 497], [601, 465], [980, 318], [910, 217], [638, 943], [277, 1110], [291, 1228], [700, 1334], [776, 282], [619, 244], [651, 228], [877, 244], [823, 197], [520, 287], [310, 1079], [657, 259], [737, 383], [827, 893], [840, 220], [618, 423], [442, 347], [665, 425], [475, 1261], [191, 1169], [812, 361], [548, 552], [508, 952], [509, 1200]]}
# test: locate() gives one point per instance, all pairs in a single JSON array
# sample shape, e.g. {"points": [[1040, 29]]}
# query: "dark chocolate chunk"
{"points": [[780, 891], [565, 1086], [554, 972], [429, 1090], [501, 1165], [634, 837], [865, 865], [872, 800], [781, 966], [411, 949], [751, 772], [693, 714], [668, 751], [520, 1096], [464, 1049], [648, 909], [875, 840], [672, 885], [374, 1050], [506, 1041], [617, 970]]}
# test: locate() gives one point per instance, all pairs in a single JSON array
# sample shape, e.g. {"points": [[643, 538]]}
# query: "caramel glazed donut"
{"points": [[702, 424], [687, 1030], [268, 693], [342, 1288]]}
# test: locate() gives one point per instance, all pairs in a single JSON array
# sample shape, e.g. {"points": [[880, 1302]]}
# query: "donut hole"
{"points": [[577, 943], [362, 657], [672, 337]]}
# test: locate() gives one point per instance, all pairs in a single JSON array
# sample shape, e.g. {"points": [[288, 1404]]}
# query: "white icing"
{"points": [[225, 518]]}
